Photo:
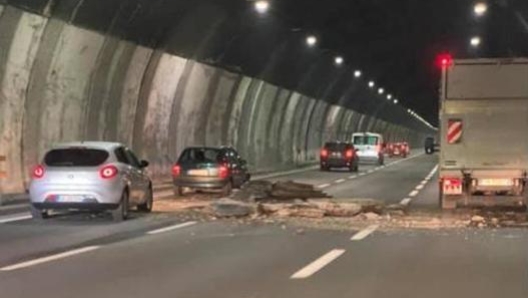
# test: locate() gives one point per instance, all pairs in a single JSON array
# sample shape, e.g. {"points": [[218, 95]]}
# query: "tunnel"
{"points": [[160, 75]]}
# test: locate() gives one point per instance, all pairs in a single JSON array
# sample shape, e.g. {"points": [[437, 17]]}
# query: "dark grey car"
{"points": [[206, 168]]}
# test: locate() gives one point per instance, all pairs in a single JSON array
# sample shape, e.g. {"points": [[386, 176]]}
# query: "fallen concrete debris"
{"points": [[231, 208], [255, 191]]}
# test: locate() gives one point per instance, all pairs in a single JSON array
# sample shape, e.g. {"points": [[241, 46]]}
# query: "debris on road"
{"points": [[288, 201], [256, 191], [231, 208]]}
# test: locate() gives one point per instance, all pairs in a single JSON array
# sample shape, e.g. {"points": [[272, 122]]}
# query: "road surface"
{"points": [[161, 256]]}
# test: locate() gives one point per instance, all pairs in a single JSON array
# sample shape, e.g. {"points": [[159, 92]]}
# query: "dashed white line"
{"points": [[362, 174], [323, 185], [171, 228], [424, 182], [370, 171], [413, 193], [340, 181], [406, 201], [419, 187], [364, 233], [16, 217], [352, 177], [49, 258], [318, 264]]}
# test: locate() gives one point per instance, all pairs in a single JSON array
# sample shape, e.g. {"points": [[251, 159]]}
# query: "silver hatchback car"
{"points": [[92, 176]]}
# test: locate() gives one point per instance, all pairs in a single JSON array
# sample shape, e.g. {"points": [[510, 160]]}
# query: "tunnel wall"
{"points": [[60, 82]]}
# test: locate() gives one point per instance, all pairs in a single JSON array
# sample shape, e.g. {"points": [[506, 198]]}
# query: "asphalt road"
{"points": [[80, 256]]}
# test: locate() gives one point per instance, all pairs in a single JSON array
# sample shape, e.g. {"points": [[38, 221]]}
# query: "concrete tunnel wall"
{"points": [[61, 82]]}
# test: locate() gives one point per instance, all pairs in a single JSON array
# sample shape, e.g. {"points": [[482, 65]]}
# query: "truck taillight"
{"points": [[223, 172], [108, 172], [38, 172], [176, 171], [454, 182]]}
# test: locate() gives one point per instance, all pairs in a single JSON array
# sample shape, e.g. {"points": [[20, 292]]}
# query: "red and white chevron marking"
{"points": [[454, 131]]}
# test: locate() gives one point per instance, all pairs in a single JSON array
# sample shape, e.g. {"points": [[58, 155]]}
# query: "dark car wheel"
{"points": [[37, 213], [178, 191], [121, 213], [227, 189], [149, 202]]}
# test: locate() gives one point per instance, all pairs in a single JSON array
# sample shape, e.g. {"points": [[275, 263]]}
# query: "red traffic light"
{"points": [[444, 60]]}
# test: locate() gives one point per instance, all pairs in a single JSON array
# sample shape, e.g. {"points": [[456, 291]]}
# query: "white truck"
{"points": [[484, 132]]}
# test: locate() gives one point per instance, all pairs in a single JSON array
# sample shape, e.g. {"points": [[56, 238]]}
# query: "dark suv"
{"points": [[339, 155], [201, 168]]}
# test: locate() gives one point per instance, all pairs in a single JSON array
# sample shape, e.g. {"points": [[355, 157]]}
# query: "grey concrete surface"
{"points": [[230, 259]]}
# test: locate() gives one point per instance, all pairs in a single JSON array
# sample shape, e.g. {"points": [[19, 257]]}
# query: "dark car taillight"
{"points": [[223, 172], [38, 172], [324, 153], [349, 153], [108, 172], [176, 171]]}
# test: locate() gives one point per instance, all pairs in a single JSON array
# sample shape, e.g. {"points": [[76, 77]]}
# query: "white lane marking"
{"points": [[364, 233], [323, 185], [318, 264], [370, 171], [413, 193], [419, 187], [172, 228], [340, 181], [406, 201], [15, 217], [362, 174], [424, 182], [353, 177], [49, 258]]}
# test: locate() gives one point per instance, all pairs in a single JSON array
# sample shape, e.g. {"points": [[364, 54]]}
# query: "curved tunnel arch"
{"points": [[144, 79]]}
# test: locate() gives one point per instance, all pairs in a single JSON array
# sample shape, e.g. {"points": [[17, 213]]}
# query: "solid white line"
{"points": [[352, 177], [318, 264], [171, 228], [15, 217], [323, 185], [413, 193], [405, 201], [50, 258], [340, 181], [364, 233], [419, 187]]}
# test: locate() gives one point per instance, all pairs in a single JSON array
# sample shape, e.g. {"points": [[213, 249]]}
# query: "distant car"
{"points": [[92, 176], [339, 155], [370, 147], [429, 145], [209, 168], [398, 149]]}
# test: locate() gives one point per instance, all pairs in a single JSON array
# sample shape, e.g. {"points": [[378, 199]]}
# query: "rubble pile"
{"points": [[256, 191]]}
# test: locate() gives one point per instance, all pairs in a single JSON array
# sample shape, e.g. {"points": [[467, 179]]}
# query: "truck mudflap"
{"points": [[482, 187]]}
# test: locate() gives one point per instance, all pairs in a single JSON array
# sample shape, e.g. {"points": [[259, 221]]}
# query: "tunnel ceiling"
{"points": [[393, 42]]}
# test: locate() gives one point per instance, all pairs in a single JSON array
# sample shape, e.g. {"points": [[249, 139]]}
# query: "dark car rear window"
{"points": [[200, 155], [337, 146], [75, 157]]}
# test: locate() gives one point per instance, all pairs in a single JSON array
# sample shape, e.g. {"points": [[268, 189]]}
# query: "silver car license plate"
{"points": [[70, 199]]}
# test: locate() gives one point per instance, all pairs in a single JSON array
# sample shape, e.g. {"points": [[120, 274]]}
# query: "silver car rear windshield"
{"points": [[75, 157]]}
